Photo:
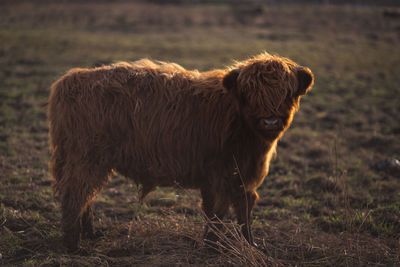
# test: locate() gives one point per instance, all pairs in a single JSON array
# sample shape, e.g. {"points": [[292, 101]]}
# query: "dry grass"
{"points": [[233, 246]]}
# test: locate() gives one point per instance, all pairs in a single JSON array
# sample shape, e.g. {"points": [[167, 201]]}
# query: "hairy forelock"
{"points": [[267, 80]]}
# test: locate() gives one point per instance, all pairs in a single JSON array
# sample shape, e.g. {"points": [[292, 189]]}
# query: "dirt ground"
{"points": [[332, 197]]}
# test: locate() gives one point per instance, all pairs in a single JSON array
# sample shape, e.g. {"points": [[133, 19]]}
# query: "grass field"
{"points": [[331, 198]]}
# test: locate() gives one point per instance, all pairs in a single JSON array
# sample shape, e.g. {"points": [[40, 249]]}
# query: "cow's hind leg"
{"points": [[64, 189], [87, 223], [88, 230], [77, 191], [72, 205]]}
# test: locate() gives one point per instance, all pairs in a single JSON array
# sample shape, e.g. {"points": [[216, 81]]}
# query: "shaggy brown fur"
{"points": [[162, 125]]}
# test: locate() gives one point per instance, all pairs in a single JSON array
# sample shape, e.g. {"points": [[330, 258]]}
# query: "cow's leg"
{"points": [[87, 223], [71, 207], [215, 205], [66, 189], [243, 205], [77, 189]]}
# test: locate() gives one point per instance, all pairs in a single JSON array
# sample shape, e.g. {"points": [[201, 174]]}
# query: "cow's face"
{"points": [[268, 92]]}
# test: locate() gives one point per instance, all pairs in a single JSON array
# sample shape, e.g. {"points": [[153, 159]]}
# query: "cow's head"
{"points": [[268, 89]]}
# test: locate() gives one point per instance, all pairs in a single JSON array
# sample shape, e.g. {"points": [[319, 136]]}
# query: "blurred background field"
{"points": [[333, 194]]}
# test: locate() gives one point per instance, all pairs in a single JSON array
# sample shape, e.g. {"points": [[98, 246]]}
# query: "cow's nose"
{"points": [[268, 122]]}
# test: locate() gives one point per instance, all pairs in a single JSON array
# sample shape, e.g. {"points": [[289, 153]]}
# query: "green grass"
{"points": [[323, 203]]}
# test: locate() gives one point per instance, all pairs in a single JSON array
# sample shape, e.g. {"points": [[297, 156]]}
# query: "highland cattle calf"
{"points": [[162, 125]]}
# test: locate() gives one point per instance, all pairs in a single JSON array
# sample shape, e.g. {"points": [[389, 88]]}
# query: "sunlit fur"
{"points": [[162, 125]]}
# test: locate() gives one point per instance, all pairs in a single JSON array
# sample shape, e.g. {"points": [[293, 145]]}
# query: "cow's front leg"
{"points": [[243, 204], [215, 205]]}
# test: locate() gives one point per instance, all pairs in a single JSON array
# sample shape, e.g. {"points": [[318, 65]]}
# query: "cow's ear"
{"points": [[305, 80], [230, 80]]}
